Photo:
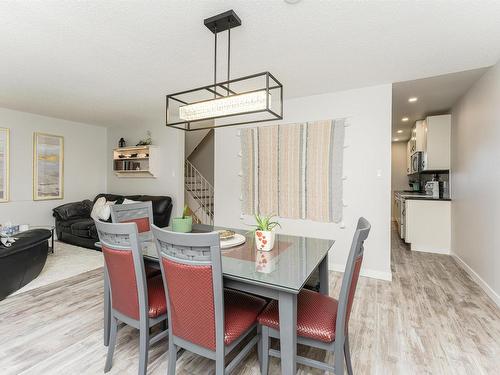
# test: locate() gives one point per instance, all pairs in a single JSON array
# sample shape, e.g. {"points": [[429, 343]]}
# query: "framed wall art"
{"points": [[4, 165], [48, 166]]}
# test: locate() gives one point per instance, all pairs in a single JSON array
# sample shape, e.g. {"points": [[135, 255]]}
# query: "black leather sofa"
{"points": [[23, 261], [75, 226]]}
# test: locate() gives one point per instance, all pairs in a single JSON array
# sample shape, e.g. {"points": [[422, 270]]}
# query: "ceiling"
{"points": [[112, 62], [436, 96]]}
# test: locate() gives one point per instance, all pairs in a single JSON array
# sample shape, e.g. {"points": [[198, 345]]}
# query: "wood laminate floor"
{"points": [[431, 319]]}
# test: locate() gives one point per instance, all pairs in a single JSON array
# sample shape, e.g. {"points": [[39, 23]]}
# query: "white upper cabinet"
{"points": [[417, 140], [420, 136], [436, 142]]}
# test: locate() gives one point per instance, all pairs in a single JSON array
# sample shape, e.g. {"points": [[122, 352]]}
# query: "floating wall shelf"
{"points": [[136, 161]]}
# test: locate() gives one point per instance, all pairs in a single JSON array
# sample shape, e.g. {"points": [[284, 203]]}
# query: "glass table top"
{"points": [[287, 266]]}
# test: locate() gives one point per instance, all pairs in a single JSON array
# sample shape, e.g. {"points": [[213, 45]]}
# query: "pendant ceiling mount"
{"points": [[222, 22], [250, 99]]}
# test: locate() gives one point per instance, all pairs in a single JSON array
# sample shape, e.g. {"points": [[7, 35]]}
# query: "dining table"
{"points": [[279, 274]]}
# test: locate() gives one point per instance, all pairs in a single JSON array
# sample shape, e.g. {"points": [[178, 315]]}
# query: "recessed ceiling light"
{"points": [[413, 99], [396, 139], [404, 119], [400, 131]]}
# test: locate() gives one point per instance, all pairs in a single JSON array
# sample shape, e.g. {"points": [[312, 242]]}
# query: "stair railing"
{"points": [[201, 190]]}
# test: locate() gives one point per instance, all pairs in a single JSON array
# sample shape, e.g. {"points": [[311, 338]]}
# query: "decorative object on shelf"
{"points": [[294, 170], [254, 98], [4, 164], [183, 224], [48, 166], [146, 141], [122, 143], [264, 232]]}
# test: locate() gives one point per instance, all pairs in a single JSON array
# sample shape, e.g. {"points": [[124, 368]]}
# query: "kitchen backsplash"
{"points": [[423, 178]]}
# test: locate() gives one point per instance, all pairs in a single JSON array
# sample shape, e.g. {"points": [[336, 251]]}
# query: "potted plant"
{"points": [[264, 232], [183, 224]]}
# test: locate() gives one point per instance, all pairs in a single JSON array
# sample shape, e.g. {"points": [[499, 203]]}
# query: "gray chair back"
{"points": [[192, 272], [350, 278], [124, 268], [140, 213]]}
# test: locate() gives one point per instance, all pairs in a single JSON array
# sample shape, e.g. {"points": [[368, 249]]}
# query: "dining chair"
{"points": [[318, 315], [203, 317], [140, 213], [136, 300]]}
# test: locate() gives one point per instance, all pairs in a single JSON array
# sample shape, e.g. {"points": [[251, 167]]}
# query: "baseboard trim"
{"points": [[479, 281], [425, 250], [373, 274]]}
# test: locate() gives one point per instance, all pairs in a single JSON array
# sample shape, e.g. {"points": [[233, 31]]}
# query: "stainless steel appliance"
{"points": [[432, 188], [416, 162]]}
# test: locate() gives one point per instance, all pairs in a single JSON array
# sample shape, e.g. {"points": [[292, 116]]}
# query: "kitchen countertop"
{"points": [[418, 196]]}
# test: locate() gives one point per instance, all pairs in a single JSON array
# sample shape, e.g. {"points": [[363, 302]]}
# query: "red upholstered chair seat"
{"points": [[156, 297], [240, 313], [316, 316]]}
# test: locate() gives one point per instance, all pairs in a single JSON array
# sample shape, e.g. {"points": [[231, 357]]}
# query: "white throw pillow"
{"points": [[129, 201], [96, 209], [105, 212]]}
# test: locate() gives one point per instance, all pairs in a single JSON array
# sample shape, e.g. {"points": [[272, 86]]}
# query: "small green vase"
{"points": [[182, 224]]}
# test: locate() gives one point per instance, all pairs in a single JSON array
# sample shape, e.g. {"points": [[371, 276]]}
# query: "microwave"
{"points": [[416, 164]]}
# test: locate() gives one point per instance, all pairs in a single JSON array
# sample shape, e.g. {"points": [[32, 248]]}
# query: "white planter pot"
{"points": [[264, 240], [265, 262]]}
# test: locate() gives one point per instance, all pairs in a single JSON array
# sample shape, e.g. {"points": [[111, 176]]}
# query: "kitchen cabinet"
{"points": [[428, 225], [432, 137], [417, 140], [437, 143]]}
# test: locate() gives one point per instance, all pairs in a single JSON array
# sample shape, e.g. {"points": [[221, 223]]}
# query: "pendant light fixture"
{"points": [[254, 98]]}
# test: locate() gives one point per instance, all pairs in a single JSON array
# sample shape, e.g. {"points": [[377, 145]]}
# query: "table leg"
{"points": [[324, 287], [288, 332], [107, 308], [52, 241]]}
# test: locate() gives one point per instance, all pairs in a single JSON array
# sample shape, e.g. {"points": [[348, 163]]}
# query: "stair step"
{"points": [[199, 191], [198, 184]]}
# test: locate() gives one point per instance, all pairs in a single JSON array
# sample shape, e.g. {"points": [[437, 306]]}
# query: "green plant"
{"points": [[186, 212], [265, 223]]}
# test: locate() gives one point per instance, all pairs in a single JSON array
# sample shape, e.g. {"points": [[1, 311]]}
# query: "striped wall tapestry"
{"points": [[294, 171]]}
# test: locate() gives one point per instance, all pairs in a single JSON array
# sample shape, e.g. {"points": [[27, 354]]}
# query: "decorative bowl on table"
{"points": [[225, 234], [229, 239]]}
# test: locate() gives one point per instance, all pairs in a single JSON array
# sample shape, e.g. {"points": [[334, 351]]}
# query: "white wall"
{"points": [[399, 178], [367, 166], [84, 166], [475, 180], [170, 180]]}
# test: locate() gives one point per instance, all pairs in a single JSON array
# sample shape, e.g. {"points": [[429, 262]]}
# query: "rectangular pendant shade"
{"points": [[229, 105], [251, 99]]}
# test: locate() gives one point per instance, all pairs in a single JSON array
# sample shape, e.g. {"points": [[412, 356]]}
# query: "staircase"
{"points": [[199, 194]]}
